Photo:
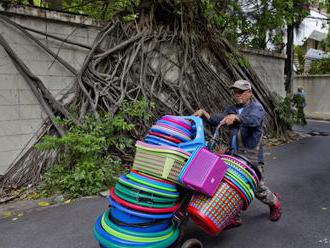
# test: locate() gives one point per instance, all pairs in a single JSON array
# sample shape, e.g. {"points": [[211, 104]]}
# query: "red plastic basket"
{"points": [[213, 214]]}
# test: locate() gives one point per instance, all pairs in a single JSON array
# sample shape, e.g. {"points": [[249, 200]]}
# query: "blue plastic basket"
{"points": [[199, 139], [129, 216], [152, 139]]}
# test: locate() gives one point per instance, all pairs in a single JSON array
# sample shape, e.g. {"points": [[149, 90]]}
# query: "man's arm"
{"points": [[253, 117], [215, 119]]}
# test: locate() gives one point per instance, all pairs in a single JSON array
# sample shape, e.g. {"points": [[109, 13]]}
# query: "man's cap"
{"points": [[242, 85]]}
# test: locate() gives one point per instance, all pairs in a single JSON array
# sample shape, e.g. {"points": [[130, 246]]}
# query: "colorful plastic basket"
{"points": [[213, 214], [178, 120], [159, 161]]}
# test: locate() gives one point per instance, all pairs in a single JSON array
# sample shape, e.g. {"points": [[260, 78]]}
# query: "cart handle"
{"points": [[216, 134]]}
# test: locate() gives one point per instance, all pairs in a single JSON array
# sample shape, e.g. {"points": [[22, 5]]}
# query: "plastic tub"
{"points": [[141, 201], [107, 240], [160, 192], [110, 228], [135, 207], [140, 194], [152, 183], [149, 222]]}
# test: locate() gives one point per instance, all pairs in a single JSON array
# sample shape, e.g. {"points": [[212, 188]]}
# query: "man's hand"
{"points": [[229, 120], [201, 113]]}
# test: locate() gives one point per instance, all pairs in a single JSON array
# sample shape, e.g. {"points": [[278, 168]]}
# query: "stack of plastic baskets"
{"points": [[234, 194], [242, 178], [140, 213], [143, 202], [185, 132]]}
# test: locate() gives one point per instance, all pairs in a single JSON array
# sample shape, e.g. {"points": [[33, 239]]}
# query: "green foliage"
{"points": [[290, 109], [300, 53], [321, 66], [243, 62], [285, 110], [99, 9], [87, 164], [103, 9], [254, 24], [88, 177], [237, 59]]}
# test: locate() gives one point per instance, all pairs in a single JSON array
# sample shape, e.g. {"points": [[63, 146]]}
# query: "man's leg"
{"points": [[265, 195]]}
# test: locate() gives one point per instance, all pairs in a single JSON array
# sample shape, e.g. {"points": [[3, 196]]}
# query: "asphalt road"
{"points": [[299, 171]]}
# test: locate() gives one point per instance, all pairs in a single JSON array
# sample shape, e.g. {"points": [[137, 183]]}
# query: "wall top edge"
{"points": [[263, 52], [59, 16], [312, 76]]}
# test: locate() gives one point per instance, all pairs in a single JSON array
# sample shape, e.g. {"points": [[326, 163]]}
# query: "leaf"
{"points": [[6, 214], [43, 204]]}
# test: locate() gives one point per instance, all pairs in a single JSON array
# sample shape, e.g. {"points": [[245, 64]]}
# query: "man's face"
{"points": [[242, 96]]}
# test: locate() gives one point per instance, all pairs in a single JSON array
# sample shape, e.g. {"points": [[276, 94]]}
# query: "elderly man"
{"points": [[245, 120]]}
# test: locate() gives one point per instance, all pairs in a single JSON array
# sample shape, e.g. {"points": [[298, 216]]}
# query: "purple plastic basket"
{"points": [[203, 172]]}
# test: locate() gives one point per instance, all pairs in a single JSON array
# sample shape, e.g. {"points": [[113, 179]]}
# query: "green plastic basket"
{"points": [[149, 190], [162, 165], [150, 184], [133, 238], [141, 203], [142, 194]]}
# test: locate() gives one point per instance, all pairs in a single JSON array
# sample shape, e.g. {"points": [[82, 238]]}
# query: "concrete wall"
{"points": [[269, 66], [317, 93], [20, 113]]}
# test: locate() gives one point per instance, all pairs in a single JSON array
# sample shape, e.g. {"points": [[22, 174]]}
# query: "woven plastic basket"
{"points": [[213, 214], [161, 162]]}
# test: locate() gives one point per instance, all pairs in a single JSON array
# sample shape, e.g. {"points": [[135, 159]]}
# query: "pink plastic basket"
{"points": [[203, 172]]}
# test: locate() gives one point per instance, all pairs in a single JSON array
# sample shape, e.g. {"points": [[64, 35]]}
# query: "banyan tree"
{"points": [[168, 55]]}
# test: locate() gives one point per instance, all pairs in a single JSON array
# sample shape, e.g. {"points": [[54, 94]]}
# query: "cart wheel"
{"points": [[192, 243]]}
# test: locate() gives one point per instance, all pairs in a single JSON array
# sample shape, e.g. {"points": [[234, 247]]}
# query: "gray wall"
{"points": [[269, 66], [317, 93], [20, 113]]}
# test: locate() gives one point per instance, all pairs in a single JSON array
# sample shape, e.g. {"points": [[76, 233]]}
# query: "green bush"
{"points": [[90, 152], [287, 113], [321, 66]]}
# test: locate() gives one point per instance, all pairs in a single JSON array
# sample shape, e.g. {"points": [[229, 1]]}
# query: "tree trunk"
{"points": [[288, 70]]}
